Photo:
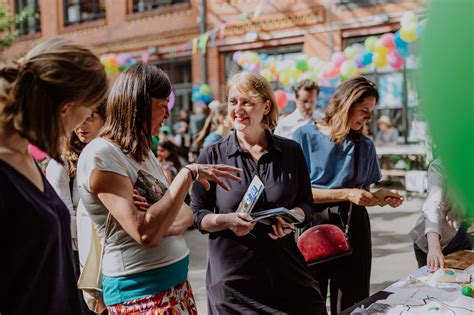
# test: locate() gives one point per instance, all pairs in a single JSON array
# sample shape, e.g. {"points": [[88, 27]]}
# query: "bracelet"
{"points": [[193, 177], [197, 170]]}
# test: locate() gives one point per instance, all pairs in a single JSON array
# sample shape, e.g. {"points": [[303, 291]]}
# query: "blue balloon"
{"points": [[196, 96], [367, 58], [206, 98], [399, 42], [263, 56], [420, 30], [196, 88], [404, 51]]}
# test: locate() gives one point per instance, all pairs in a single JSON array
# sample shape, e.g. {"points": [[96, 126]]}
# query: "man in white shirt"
{"points": [[306, 93]]}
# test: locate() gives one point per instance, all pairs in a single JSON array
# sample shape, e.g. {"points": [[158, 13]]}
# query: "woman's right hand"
{"points": [[214, 172], [435, 259], [361, 197], [237, 222]]}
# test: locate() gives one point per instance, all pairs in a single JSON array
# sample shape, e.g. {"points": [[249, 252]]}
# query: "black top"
{"points": [[37, 276], [254, 274]]}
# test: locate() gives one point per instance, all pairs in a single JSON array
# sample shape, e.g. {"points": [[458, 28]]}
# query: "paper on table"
{"points": [[418, 297]]}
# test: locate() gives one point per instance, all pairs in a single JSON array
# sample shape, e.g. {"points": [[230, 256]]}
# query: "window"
{"points": [[361, 3], [80, 11], [31, 24], [147, 5]]}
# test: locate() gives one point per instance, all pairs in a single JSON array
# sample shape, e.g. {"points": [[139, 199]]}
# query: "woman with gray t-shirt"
{"points": [[145, 261]]}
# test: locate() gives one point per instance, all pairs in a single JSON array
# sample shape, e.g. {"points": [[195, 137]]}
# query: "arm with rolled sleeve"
{"points": [[434, 204], [203, 201]]}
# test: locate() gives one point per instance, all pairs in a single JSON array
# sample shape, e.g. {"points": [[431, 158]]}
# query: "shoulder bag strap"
{"points": [[354, 182], [108, 228]]}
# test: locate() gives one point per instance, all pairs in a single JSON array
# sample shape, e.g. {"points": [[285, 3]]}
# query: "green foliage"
{"points": [[8, 32]]}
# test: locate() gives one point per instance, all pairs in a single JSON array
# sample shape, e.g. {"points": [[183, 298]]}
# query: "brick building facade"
{"points": [[166, 29]]}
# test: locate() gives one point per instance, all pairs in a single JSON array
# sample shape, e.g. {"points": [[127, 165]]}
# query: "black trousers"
{"points": [[348, 277]]}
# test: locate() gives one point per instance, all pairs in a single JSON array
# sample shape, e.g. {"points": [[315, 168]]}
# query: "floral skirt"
{"points": [[178, 300]]}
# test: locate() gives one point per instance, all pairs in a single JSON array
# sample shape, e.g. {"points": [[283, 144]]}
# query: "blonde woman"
{"points": [[255, 268], [329, 147], [55, 87]]}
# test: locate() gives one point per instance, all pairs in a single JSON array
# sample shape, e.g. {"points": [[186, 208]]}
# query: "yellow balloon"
{"points": [[379, 60], [408, 33], [370, 43], [381, 48]]}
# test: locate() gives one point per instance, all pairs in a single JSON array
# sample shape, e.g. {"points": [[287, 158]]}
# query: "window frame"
{"points": [[96, 16], [24, 29]]}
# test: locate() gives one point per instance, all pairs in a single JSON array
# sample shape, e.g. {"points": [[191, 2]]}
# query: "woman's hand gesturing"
{"points": [[204, 173]]}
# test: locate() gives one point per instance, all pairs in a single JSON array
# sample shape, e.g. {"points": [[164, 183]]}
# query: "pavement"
{"points": [[393, 256]]}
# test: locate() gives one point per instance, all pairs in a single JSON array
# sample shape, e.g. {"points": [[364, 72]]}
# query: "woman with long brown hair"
{"points": [[145, 260], [43, 98], [330, 147]]}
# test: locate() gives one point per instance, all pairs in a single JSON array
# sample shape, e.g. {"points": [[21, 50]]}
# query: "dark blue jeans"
{"points": [[460, 241]]}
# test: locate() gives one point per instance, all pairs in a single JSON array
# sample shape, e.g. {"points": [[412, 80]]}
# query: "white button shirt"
{"points": [[287, 125]]}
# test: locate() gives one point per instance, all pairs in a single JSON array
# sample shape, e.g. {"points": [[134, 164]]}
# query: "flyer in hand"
{"points": [[266, 215], [251, 196]]}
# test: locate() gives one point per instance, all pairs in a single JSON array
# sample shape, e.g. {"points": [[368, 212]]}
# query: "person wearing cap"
{"points": [[306, 94], [387, 135]]}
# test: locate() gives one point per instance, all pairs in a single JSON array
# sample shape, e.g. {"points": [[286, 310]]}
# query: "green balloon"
{"points": [[446, 86]]}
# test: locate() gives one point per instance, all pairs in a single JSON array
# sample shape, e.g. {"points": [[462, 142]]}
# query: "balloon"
{"points": [[404, 52], [446, 91], [395, 60], [196, 96], [37, 154], [380, 48], [330, 71], [379, 60], [196, 88], [172, 99], [350, 52], [399, 42], [420, 29], [408, 18], [236, 56], [284, 77], [281, 98], [206, 98], [204, 89], [263, 57], [370, 43], [301, 65], [348, 69], [367, 58], [267, 74], [338, 58], [408, 33], [387, 40]]}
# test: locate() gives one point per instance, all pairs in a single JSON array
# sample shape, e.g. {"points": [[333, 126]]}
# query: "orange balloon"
{"points": [[281, 98]]}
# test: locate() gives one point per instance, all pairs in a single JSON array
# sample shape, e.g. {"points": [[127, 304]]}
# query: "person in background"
{"points": [[198, 118], [62, 176], [167, 155], [306, 94], [329, 146], [219, 128], [43, 98], [182, 139], [387, 134], [145, 260], [255, 268], [441, 228]]}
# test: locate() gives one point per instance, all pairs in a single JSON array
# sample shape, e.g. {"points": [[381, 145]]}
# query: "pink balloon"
{"points": [[171, 101], [388, 40], [338, 58], [395, 60], [330, 71], [37, 154]]}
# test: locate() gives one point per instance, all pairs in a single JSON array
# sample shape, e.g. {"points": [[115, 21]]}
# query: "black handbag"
{"points": [[326, 237]]}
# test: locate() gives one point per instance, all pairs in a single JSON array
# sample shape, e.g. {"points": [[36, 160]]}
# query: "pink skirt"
{"points": [[178, 300]]}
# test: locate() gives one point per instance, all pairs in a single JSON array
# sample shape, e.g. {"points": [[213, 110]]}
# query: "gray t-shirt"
{"points": [[123, 255]]}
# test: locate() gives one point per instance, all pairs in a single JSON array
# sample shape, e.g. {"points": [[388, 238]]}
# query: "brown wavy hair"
{"points": [[348, 94], [74, 146], [33, 92], [259, 90], [128, 121]]}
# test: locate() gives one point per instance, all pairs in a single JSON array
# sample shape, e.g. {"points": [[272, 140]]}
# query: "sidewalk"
{"points": [[393, 255]]}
